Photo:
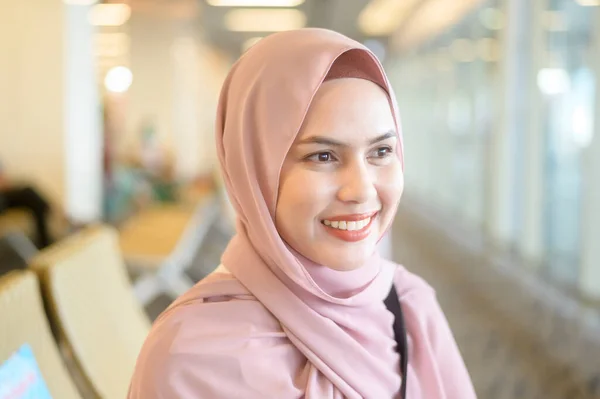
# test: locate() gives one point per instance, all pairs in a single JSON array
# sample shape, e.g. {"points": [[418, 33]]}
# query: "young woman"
{"points": [[310, 147]]}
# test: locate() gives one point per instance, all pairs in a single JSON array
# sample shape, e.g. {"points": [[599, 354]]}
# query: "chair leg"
{"points": [[171, 278], [176, 285], [150, 285], [25, 248], [147, 287]]}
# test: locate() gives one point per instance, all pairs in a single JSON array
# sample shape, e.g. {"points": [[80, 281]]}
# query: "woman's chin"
{"points": [[347, 267], [339, 255], [345, 263]]}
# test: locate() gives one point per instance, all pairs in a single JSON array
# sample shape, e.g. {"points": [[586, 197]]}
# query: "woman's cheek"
{"points": [[391, 183]]}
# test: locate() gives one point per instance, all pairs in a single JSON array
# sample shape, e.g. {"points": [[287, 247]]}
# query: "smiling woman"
{"points": [[309, 143], [354, 172]]}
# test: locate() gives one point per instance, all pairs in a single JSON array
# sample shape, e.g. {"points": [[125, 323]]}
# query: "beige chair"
{"points": [[23, 320], [93, 307]]}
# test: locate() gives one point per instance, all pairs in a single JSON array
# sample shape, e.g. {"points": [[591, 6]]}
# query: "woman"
{"points": [[309, 144]]}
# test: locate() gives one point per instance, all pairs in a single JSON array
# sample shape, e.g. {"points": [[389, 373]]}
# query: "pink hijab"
{"points": [[324, 333], [263, 104]]}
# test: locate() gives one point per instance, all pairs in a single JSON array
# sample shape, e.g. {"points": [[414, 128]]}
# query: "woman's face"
{"points": [[342, 179]]}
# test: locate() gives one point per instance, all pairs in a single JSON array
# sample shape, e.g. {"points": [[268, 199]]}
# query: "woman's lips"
{"points": [[350, 235], [352, 217]]}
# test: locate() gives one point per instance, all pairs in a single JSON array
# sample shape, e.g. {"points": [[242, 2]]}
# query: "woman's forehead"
{"points": [[349, 106]]}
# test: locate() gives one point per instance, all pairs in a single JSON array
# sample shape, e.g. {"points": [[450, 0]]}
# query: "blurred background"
{"points": [[111, 205]]}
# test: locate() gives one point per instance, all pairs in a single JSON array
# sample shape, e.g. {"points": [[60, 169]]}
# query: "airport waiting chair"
{"points": [[23, 321], [93, 308], [159, 245]]}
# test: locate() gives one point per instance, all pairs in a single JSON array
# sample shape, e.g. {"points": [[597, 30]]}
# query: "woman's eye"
{"points": [[322, 157], [382, 152]]}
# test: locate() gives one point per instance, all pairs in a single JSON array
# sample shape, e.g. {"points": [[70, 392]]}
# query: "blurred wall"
{"points": [[49, 109], [175, 87], [32, 135]]}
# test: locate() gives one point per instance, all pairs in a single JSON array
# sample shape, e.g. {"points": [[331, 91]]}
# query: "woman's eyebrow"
{"points": [[334, 143], [385, 136]]}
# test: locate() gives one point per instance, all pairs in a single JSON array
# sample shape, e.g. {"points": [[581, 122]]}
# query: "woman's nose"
{"points": [[357, 184]]}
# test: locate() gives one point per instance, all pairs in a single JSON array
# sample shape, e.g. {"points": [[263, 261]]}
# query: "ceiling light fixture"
{"points": [[254, 3], [383, 17], [589, 3], [118, 79], [80, 2], [264, 20], [109, 14], [429, 20]]}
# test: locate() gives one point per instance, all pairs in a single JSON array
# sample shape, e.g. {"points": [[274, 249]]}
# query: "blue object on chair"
{"points": [[20, 377]]}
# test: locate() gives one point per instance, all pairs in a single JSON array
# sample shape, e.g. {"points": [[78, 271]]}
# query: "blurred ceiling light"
{"points": [[118, 79], [552, 81], [264, 20], [463, 50], [80, 2], [588, 3], [492, 18], [109, 14], [250, 42], [383, 17], [488, 50], [582, 123], [430, 19], [255, 3], [555, 21]]}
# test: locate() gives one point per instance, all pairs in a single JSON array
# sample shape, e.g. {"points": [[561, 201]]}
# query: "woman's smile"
{"points": [[350, 228]]}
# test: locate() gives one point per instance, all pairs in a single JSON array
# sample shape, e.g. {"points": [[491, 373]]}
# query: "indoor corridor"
{"points": [[113, 204]]}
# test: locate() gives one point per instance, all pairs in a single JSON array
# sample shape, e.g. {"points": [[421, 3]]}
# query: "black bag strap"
{"points": [[393, 305]]}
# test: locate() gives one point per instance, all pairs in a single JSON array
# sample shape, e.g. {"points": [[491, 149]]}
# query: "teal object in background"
{"points": [[20, 377]]}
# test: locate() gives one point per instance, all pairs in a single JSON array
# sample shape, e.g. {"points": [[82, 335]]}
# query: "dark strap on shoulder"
{"points": [[393, 305]]}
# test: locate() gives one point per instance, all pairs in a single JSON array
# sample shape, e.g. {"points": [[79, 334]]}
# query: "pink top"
{"points": [[270, 323]]}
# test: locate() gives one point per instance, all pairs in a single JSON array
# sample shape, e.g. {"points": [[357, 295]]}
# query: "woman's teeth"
{"points": [[350, 226]]}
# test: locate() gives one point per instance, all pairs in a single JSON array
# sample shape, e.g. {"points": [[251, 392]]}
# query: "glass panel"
{"points": [[446, 91], [567, 84]]}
